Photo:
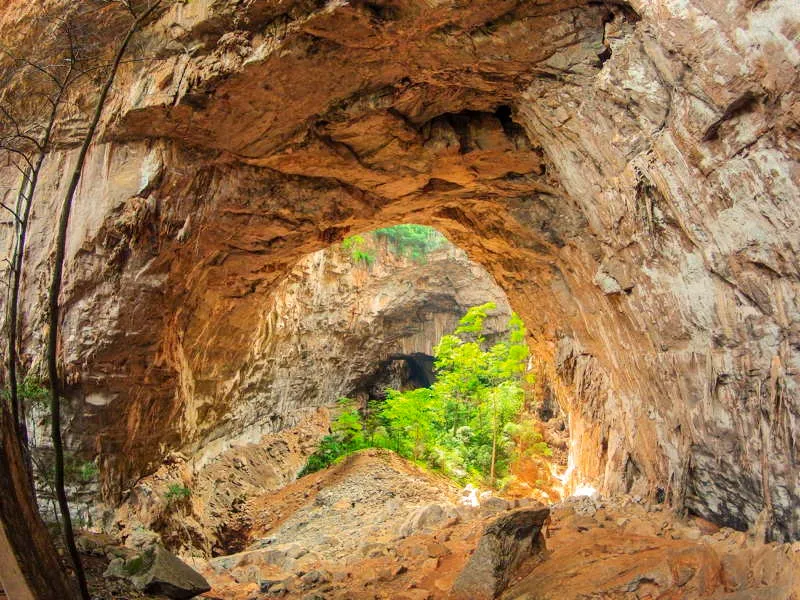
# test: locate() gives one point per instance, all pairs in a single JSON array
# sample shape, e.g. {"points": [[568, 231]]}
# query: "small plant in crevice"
{"points": [[177, 493]]}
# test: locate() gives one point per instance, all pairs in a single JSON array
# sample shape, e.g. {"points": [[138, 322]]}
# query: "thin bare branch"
{"points": [[18, 152], [30, 64], [12, 211]]}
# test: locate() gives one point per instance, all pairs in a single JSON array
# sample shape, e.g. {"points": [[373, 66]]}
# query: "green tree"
{"points": [[347, 436], [411, 241], [359, 250], [460, 424], [348, 427], [411, 417], [465, 424]]}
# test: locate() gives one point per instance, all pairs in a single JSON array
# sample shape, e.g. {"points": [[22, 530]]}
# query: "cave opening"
{"points": [[398, 371], [352, 320], [626, 175], [622, 173]]}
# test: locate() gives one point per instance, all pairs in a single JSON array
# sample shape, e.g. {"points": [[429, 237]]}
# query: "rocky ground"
{"points": [[377, 527], [211, 521], [373, 526], [624, 549]]}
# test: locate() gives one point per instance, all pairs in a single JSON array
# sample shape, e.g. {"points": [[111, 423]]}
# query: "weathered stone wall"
{"points": [[331, 324], [627, 173]]}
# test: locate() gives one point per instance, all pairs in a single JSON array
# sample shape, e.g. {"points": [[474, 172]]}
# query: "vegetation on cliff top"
{"points": [[410, 241], [465, 425]]}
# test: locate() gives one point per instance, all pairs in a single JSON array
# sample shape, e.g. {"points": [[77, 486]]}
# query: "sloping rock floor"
{"points": [[378, 527]]}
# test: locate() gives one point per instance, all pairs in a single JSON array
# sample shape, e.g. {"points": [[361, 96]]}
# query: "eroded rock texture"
{"points": [[337, 328], [627, 172]]}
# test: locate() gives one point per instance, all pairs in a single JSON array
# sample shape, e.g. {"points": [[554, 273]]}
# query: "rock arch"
{"points": [[627, 172]]}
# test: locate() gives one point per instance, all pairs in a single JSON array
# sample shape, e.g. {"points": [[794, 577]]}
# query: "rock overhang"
{"points": [[563, 145]]}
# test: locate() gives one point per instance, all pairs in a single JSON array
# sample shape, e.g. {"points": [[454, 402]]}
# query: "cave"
{"points": [[626, 172], [400, 371]]}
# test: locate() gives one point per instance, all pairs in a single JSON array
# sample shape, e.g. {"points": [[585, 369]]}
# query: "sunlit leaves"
{"points": [[410, 241], [459, 424], [464, 425]]}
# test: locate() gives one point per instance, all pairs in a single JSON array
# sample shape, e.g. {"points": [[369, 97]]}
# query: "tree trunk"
{"points": [[494, 446], [27, 190], [11, 321], [29, 567], [53, 305]]}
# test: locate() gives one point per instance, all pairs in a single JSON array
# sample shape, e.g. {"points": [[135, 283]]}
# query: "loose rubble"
{"points": [[375, 526]]}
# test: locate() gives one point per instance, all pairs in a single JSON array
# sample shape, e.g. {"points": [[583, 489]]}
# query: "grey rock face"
{"points": [[427, 517], [157, 571], [505, 543]]}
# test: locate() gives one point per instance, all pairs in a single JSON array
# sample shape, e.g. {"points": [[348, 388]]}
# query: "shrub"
{"points": [[32, 392], [359, 252], [177, 493], [347, 436], [86, 471]]}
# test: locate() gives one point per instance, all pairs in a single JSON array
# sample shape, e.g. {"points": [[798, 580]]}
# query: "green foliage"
{"points": [[347, 436], [76, 470], [412, 241], [410, 420], [359, 251], [466, 424], [81, 471], [348, 427], [32, 392], [469, 413], [176, 493], [529, 441]]}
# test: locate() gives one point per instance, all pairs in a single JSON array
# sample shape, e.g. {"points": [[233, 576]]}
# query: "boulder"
{"points": [[142, 538], [426, 517], [315, 577], [157, 571], [491, 505], [505, 543], [267, 585]]}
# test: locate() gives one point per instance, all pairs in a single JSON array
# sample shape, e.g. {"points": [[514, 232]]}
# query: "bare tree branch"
{"points": [[12, 211], [54, 292]]}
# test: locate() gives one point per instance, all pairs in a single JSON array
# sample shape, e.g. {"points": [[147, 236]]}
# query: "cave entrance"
{"points": [[400, 289], [602, 225], [360, 316], [420, 368], [398, 371], [359, 320]]}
